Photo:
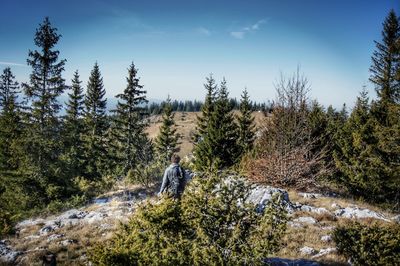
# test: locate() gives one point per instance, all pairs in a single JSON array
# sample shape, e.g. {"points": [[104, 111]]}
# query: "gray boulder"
{"points": [[261, 196]]}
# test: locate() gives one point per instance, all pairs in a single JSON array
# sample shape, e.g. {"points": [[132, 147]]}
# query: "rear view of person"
{"points": [[174, 178]]}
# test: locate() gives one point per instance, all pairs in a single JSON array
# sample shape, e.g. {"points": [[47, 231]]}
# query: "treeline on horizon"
{"points": [[195, 106], [50, 161]]}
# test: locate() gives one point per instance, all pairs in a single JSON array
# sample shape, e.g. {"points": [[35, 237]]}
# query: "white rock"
{"points": [[327, 228], [93, 217], [323, 252], [67, 242], [309, 195], [308, 208], [358, 213], [307, 251], [261, 196], [54, 237], [306, 220], [335, 206], [326, 238]]}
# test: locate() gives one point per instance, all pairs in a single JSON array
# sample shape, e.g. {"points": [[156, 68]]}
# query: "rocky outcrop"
{"points": [[359, 213], [261, 196]]}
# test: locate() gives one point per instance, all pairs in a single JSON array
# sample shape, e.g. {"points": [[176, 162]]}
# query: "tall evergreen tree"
{"points": [[46, 84], [218, 147], [386, 62], [386, 109], [129, 121], [73, 128], [355, 158], [10, 125], [245, 123], [95, 124], [207, 108], [9, 88], [166, 142]]}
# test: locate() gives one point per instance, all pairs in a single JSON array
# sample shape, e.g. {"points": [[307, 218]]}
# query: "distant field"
{"points": [[186, 124]]}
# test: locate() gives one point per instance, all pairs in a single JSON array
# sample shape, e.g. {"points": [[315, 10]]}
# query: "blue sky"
{"points": [[176, 44]]}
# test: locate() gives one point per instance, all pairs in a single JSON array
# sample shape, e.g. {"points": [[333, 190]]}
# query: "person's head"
{"points": [[175, 158]]}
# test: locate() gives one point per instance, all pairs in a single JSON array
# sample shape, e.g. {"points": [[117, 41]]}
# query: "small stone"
{"points": [[335, 206], [326, 238], [54, 237], [307, 251], [307, 220], [310, 195], [68, 242], [323, 252], [307, 208]]}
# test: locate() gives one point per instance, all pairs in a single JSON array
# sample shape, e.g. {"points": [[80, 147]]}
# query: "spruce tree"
{"points": [[245, 123], [207, 108], [166, 142], [355, 158], [129, 120], [45, 85], [218, 147], [10, 124], [385, 110], [386, 62], [73, 129], [95, 124]]}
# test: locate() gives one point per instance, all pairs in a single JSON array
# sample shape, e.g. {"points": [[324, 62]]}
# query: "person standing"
{"points": [[174, 178]]}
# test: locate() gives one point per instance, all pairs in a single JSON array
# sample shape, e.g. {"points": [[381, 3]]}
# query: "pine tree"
{"points": [[43, 135], [10, 124], [129, 121], [95, 124], [246, 123], [386, 62], [207, 108], [355, 158], [385, 110], [218, 147], [73, 128], [166, 142]]}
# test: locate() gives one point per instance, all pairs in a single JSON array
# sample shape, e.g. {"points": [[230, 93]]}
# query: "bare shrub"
{"points": [[284, 148]]}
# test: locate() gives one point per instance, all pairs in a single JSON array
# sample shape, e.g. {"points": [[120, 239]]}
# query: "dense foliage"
{"points": [[211, 224], [369, 245]]}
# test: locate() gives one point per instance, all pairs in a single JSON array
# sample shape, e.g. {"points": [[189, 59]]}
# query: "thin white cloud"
{"points": [[240, 34], [257, 25], [203, 31], [11, 64]]}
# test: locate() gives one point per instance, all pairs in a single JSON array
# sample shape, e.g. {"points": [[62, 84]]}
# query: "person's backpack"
{"points": [[176, 180]]}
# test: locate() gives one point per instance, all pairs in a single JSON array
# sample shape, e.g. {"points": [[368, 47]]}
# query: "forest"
{"points": [[56, 156]]}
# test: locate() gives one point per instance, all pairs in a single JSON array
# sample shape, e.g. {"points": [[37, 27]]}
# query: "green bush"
{"points": [[369, 245], [146, 174], [6, 223], [211, 225], [91, 188]]}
